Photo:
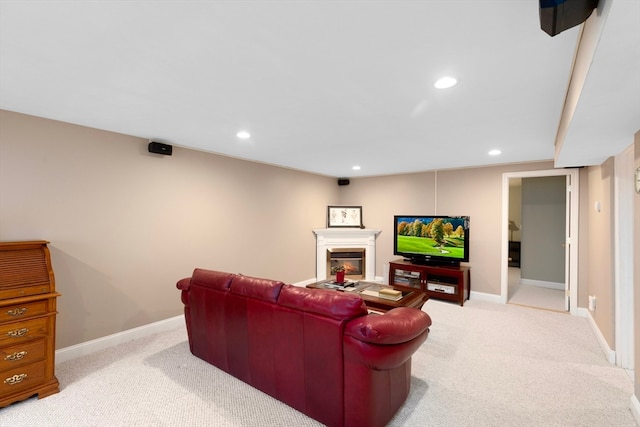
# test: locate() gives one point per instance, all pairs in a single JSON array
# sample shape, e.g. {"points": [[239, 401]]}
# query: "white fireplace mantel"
{"points": [[334, 238]]}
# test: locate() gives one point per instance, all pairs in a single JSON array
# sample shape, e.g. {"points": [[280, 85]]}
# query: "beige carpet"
{"points": [[484, 364]]}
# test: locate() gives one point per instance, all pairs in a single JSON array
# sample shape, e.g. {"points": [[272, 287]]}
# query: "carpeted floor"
{"points": [[484, 364]]}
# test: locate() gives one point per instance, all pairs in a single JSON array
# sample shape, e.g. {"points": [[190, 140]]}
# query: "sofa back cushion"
{"points": [[309, 352], [252, 287], [325, 302], [212, 279], [207, 292], [249, 328]]}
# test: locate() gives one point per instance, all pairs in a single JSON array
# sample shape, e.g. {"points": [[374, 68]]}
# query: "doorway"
{"points": [[555, 292], [537, 224]]}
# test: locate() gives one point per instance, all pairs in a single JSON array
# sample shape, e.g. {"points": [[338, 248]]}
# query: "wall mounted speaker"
{"points": [[160, 148], [343, 181]]}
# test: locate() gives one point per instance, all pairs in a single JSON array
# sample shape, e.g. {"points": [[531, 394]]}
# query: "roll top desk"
{"points": [[27, 321]]}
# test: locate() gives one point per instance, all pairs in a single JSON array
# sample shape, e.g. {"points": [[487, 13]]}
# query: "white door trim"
{"points": [[573, 205], [623, 260]]}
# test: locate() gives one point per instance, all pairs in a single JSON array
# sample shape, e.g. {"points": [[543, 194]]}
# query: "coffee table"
{"points": [[410, 298]]}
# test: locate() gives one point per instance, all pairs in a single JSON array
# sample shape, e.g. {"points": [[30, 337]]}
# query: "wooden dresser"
{"points": [[27, 321]]}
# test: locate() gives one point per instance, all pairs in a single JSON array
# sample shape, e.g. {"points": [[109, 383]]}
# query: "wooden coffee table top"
{"points": [[410, 298]]}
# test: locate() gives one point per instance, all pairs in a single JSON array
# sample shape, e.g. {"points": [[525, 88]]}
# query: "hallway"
{"points": [[533, 296]]}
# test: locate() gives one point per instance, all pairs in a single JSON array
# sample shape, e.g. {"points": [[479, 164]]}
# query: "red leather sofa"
{"points": [[318, 351]]}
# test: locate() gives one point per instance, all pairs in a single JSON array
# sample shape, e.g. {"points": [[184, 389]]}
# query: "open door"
{"points": [[569, 243]]}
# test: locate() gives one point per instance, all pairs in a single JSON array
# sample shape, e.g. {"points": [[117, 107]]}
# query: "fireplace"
{"points": [[343, 242], [352, 259]]}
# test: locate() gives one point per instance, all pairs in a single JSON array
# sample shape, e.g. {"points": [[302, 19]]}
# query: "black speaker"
{"points": [[343, 181], [160, 148], [559, 15]]}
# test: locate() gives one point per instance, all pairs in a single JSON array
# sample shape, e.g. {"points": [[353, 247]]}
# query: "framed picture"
{"points": [[344, 216]]}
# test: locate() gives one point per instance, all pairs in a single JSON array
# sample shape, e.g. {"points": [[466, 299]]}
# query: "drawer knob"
{"points": [[18, 355], [15, 379], [17, 333], [17, 311]]}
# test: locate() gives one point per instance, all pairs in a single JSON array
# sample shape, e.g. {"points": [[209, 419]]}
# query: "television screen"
{"points": [[432, 239]]}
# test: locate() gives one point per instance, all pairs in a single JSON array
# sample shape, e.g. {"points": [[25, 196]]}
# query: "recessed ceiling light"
{"points": [[445, 82], [356, 168], [495, 152], [243, 134]]}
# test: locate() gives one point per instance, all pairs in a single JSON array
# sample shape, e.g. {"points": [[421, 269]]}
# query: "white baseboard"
{"points": [[610, 354], [88, 347], [635, 408], [481, 296], [543, 284]]}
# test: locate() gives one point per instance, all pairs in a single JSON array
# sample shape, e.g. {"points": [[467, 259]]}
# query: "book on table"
{"points": [[383, 292]]}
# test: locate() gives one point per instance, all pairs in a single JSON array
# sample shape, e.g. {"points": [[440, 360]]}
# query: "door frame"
{"points": [[571, 257], [623, 261]]}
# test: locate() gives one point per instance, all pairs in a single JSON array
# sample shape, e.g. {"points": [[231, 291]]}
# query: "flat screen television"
{"points": [[431, 239]]}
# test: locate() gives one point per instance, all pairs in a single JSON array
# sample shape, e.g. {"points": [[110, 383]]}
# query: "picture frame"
{"points": [[344, 216]]}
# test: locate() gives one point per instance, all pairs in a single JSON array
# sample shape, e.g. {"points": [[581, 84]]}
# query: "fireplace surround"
{"points": [[341, 240]]}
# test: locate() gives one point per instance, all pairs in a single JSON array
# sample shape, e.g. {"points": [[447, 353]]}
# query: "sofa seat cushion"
{"points": [[329, 303], [396, 326]]}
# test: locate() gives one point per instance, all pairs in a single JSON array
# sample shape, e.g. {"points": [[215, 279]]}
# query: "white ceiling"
{"points": [[325, 85]]}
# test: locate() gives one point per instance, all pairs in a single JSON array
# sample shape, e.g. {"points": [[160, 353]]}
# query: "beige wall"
{"points": [[125, 225], [474, 191]]}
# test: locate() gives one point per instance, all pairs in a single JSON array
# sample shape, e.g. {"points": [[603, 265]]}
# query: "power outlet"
{"points": [[592, 303]]}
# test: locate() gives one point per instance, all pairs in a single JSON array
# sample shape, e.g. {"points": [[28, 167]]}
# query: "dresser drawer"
{"points": [[24, 291], [22, 378], [17, 332], [22, 354], [20, 311]]}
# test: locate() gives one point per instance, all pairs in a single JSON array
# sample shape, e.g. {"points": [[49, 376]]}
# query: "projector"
{"points": [[559, 15]]}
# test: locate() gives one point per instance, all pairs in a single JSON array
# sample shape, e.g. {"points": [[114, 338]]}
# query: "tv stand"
{"points": [[440, 263], [445, 282]]}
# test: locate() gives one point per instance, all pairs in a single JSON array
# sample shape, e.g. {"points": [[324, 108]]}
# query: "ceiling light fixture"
{"points": [[243, 134], [356, 168], [495, 152], [445, 82]]}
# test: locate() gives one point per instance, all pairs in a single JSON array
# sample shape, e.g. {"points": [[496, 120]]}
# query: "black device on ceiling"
{"points": [[559, 15]]}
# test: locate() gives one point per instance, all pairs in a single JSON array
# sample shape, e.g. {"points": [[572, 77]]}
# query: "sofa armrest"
{"points": [[184, 284], [399, 325], [384, 342]]}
